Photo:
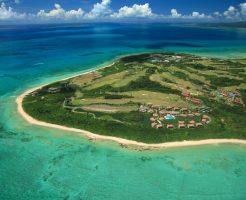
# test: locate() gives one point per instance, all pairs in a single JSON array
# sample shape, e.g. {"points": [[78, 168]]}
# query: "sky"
{"points": [[49, 11]]}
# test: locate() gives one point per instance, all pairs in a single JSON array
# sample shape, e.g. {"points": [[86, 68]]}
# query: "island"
{"points": [[150, 98]]}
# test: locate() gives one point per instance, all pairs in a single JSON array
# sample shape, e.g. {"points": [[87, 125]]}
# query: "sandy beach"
{"points": [[121, 141]]}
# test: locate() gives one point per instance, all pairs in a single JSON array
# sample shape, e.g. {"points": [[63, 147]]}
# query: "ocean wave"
{"points": [[38, 64]]}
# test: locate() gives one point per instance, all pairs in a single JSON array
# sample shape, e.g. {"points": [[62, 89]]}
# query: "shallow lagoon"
{"points": [[42, 163]]}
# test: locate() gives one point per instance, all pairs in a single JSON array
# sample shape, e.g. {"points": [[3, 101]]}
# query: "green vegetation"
{"points": [[116, 96], [103, 106]]}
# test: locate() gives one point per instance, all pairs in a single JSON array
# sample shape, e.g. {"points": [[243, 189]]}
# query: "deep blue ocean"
{"points": [[42, 163]]}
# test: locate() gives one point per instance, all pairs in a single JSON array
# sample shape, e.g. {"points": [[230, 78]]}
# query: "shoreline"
{"points": [[121, 141]]}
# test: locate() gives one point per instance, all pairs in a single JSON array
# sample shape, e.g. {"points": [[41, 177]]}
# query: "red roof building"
{"points": [[163, 112], [199, 124], [191, 125], [155, 115], [225, 94], [237, 93], [184, 109], [204, 120], [192, 122], [238, 101], [154, 125], [170, 126], [176, 108], [185, 94], [152, 119], [196, 101], [182, 126], [159, 126]]}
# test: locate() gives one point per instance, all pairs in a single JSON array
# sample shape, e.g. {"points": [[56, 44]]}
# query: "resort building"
{"points": [[53, 90], [183, 115], [159, 126], [150, 111], [162, 112], [187, 98], [170, 126], [196, 101], [238, 101], [185, 94], [154, 125], [191, 125], [153, 119], [204, 121], [182, 126], [199, 124], [176, 108]]}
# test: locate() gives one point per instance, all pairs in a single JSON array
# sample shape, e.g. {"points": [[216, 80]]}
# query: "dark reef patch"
{"points": [[171, 44], [92, 53]]}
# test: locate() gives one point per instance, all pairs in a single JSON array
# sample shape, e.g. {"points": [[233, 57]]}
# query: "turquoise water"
{"points": [[41, 163]]}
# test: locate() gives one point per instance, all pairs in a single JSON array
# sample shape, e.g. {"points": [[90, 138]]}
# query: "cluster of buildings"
{"points": [[187, 97], [174, 117], [229, 97], [161, 58], [53, 89]]}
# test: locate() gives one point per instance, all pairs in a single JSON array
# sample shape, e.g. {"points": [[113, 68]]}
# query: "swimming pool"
{"points": [[169, 117]]}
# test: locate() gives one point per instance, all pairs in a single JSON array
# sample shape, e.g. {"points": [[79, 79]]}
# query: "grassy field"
{"points": [[106, 101]]}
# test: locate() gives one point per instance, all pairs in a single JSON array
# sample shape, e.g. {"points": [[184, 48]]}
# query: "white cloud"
{"points": [[59, 13], [74, 13], [217, 14], [231, 13], [102, 11], [193, 16], [198, 15], [175, 14], [99, 10], [7, 13], [10, 1], [243, 8], [134, 11]]}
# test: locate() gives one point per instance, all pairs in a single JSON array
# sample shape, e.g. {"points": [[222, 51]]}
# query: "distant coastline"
{"points": [[241, 24], [122, 142]]}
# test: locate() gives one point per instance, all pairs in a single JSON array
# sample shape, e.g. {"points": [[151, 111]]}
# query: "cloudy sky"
{"points": [[48, 11]]}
